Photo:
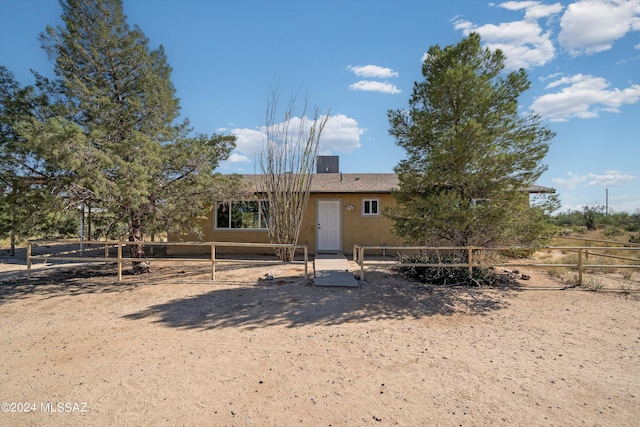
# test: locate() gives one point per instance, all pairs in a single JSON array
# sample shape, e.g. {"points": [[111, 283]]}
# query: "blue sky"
{"points": [[356, 59]]}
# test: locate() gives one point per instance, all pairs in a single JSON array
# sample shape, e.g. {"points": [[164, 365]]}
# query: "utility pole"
{"points": [[606, 203]]}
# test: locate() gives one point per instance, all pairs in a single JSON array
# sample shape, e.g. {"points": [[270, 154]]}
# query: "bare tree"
{"points": [[287, 163]]}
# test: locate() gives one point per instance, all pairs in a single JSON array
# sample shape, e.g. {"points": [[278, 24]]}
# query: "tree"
{"points": [[28, 208], [287, 162], [115, 139], [592, 214], [470, 155]]}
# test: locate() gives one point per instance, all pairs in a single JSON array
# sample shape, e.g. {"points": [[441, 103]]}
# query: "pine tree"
{"points": [[116, 137], [28, 207], [470, 154]]}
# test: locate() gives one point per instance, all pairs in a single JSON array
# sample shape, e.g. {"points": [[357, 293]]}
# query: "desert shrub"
{"points": [[634, 238], [447, 276], [592, 215], [565, 232], [612, 231], [580, 229]]}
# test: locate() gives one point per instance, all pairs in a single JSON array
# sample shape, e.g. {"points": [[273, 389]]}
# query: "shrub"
{"points": [[565, 232], [612, 231], [447, 276], [634, 239]]}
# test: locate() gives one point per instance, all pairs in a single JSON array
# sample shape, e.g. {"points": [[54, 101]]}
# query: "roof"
{"points": [[353, 182], [344, 182], [365, 183], [539, 189]]}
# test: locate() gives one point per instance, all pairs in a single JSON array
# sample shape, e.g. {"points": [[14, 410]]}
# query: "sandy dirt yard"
{"points": [[78, 348]]}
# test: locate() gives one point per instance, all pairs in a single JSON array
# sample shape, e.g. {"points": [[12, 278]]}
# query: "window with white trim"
{"points": [[370, 207], [246, 214]]}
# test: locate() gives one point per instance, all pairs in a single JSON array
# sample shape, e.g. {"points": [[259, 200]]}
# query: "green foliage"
{"points": [[565, 232], [29, 203], [594, 216], [470, 154], [444, 275], [591, 215], [113, 138], [612, 232]]}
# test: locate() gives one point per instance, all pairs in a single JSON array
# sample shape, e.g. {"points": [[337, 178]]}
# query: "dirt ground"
{"points": [[171, 348]]}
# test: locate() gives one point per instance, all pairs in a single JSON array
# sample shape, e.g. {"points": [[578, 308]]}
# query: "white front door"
{"points": [[329, 225]]}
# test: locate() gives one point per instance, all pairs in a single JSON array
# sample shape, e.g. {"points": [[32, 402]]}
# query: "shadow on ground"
{"points": [[56, 280], [293, 304], [63, 279]]}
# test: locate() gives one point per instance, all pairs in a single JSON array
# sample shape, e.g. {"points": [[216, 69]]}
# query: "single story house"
{"points": [[344, 209]]}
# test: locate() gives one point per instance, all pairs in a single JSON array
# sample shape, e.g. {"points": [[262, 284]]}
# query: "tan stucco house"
{"points": [[344, 209]]}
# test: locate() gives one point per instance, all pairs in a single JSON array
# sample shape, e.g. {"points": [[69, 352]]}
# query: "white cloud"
{"points": [[591, 26], [610, 178], [248, 141], [533, 9], [374, 86], [523, 42], [238, 158], [373, 71], [341, 134], [583, 96]]}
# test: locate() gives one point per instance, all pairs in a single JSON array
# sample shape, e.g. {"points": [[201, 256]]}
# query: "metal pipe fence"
{"points": [[120, 259], [472, 251]]}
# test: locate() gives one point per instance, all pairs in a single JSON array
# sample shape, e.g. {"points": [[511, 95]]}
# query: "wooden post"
{"points": [[587, 243], [29, 259], [306, 263], [213, 261], [119, 262], [470, 260], [580, 267], [361, 256]]}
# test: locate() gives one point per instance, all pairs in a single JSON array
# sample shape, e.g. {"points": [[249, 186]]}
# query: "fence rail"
{"points": [[120, 259], [580, 265], [587, 244]]}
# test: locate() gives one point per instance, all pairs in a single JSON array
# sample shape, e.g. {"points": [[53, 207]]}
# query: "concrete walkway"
{"points": [[333, 270]]}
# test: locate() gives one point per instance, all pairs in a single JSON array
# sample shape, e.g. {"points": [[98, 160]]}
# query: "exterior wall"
{"points": [[210, 234], [356, 228]]}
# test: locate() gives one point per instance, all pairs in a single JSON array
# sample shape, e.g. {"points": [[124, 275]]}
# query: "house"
{"points": [[344, 209]]}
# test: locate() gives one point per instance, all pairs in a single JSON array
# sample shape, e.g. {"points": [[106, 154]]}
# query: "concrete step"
{"points": [[332, 269]]}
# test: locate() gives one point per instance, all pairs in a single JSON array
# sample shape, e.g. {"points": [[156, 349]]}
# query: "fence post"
{"points": [[29, 259], [470, 260], [580, 267], [306, 263], [119, 262], [361, 256], [213, 261], [587, 244]]}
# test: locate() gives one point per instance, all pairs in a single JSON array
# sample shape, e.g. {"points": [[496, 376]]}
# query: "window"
{"points": [[370, 207], [242, 215]]}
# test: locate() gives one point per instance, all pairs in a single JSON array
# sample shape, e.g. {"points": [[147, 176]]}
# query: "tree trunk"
{"points": [[137, 251]]}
